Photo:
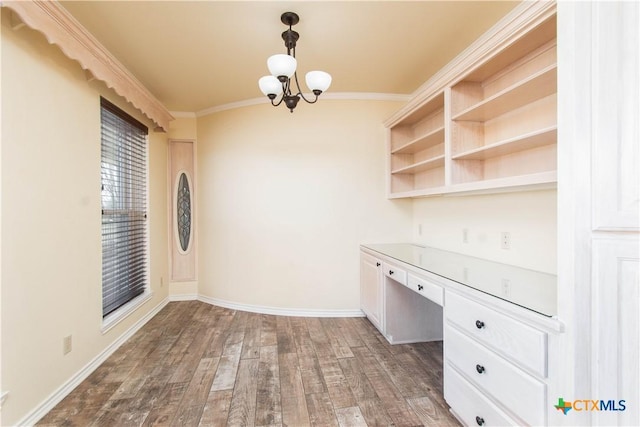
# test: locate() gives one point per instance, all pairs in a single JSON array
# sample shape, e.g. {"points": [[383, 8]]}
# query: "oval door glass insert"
{"points": [[183, 201]]}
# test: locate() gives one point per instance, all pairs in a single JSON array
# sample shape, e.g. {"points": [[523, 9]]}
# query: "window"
{"points": [[183, 211], [124, 207]]}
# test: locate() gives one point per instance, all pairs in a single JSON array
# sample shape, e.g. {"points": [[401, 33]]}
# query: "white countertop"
{"points": [[530, 289]]}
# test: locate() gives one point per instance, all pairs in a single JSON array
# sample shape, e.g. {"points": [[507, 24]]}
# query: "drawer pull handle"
{"points": [[479, 421], [377, 264], [390, 272], [480, 369], [479, 324], [420, 287]]}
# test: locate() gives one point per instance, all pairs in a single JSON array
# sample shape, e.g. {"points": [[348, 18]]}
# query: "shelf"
{"points": [[547, 136], [537, 86], [432, 138], [419, 111], [540, 180], [432, 163], [423, 192], [537, 181]]}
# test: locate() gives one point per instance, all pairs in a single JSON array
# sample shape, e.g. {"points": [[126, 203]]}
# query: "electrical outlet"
{"points": [[465, 274], [465, 235], [506, 287], [419, 229], [505, 240], [66, 345], [161, 281]]}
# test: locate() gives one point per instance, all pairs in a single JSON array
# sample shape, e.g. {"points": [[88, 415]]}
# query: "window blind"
{"points": [[124, 207]]}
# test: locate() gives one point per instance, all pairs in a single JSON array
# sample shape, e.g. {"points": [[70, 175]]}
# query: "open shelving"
{"points": [[416, 149], [424, 165], [422, 142], [488, 127], [535, 139], [541, 84]]}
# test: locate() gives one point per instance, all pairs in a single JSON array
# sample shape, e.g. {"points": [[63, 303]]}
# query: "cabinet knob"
{"points": [[420, 287], [479, 324], [480, 369], [377, 264], [390, 272], [480, 421]]}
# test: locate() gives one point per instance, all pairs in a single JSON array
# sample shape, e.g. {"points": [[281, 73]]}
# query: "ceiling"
{"points": [[195, 55]]}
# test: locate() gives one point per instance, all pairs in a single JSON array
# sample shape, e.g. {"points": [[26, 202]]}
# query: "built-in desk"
{"points": [[498, 323]]}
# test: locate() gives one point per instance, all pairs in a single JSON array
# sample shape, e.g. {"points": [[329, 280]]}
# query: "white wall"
{"points": [[51, 232], [285, 200], [529, 217]]}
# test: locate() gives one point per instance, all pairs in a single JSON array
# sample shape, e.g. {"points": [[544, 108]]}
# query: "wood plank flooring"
{"points": [[197, 364]]}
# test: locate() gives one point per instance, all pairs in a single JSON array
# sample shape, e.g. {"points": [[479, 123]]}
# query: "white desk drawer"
{"points": [[509, 385], [526, 345], [395, 273], [425, 288], [469, 404]]}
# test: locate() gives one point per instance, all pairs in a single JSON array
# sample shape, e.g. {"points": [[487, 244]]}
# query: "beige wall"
{"points": [[51, 245], [183, 128], [286, 199], [529, 217]]}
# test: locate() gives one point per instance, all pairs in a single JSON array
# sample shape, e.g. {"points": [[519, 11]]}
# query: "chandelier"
{"points": [[283, 72]]}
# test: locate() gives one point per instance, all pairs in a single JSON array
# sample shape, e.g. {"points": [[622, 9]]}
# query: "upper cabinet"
{"points": [[487, 122]]}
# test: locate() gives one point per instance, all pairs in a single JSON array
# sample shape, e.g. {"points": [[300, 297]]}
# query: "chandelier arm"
{"points": [[286, 87], [279, 102], [300, 92]]}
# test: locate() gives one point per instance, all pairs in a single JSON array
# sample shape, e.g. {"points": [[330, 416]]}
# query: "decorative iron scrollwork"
{"points": [[183, 200]]}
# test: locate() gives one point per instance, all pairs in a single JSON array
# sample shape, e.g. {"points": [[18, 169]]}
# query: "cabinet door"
{"points": [[615, 327], [614, 114], [371, 289]]}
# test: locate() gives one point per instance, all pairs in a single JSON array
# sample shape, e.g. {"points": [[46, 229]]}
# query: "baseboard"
{"points": [[298, 312], [56, 397], [183, 297]]}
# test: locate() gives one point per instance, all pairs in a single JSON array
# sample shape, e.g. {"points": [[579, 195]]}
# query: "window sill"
{"points": [[123, 312]]}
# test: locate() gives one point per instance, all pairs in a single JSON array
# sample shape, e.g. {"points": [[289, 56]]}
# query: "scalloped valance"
{"points": [[60, 28]]}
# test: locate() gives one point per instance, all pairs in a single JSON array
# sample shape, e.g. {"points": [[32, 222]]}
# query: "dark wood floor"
{"points": [[197, 364]]}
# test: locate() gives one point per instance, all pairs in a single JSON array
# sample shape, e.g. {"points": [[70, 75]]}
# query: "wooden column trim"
{"points": [[60, 28]]}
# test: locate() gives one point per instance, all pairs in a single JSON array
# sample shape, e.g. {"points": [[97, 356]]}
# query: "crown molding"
{"points": [[183, 114], [59, 27], [521, 19], [351, 96], [231, 106]]}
